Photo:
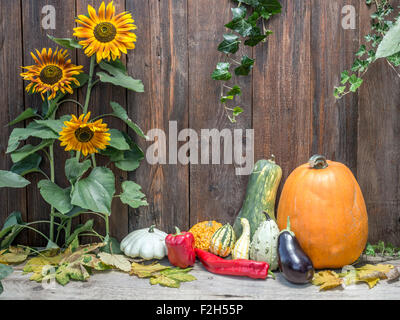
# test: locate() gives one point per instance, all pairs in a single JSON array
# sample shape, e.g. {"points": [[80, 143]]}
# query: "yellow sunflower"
{"points": [[51, 73], [86, 137], [106, 34]]}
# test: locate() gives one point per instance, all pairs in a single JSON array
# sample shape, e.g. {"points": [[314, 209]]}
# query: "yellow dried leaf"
{"points": [[327, 280], [385, 268], [145, 271]]}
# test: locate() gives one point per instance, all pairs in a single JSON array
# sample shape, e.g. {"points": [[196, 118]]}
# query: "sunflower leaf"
{"points": [[28, 165], [132, 195], [118, 140], [11, 228], [66, 42], [118, 77], [27, 114], [54, 195], [75, 169], [29, 149], [96, 191], [121, 113], [10, 179]]}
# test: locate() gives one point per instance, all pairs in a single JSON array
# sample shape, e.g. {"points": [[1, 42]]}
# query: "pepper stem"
{"points": [[151, 229], [318, 162], [271, 274], [178, 231]]}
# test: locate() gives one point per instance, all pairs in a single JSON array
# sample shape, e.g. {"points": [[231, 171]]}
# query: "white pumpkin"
{"points": [[148, 244], [264, 246]]}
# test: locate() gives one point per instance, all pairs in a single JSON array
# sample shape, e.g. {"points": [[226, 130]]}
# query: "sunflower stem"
{"points": [[52, 175], [93, 160], [90, 84]]}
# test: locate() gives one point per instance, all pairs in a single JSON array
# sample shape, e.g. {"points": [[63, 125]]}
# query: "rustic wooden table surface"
{"points": [[120, 286]]}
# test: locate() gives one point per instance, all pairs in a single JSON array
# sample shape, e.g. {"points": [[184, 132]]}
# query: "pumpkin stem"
{"points": [[151, 229], [318, 162]]}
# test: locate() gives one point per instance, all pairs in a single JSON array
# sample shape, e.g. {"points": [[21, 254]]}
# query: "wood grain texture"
{"points": [[120, 286], [35, 37], [282, 107], [378, 146], [161, 61], [11, 100], [332, 48], [216, 192], [288, 101], [102, 94]]}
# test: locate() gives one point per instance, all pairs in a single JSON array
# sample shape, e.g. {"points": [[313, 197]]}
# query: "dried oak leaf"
{"points": [[327, 280]]}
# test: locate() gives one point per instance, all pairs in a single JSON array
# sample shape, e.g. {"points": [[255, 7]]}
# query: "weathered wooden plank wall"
{"points": [[288, 101]]}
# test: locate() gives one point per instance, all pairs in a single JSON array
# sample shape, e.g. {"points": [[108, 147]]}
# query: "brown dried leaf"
{"points": [[393, 274]]}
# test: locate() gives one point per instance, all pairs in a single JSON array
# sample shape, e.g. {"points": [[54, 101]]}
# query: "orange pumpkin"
{"points": [[327, 212]]}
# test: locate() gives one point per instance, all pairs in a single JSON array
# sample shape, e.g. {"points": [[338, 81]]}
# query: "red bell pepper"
{"points": [[238, 267], [181, 249]]}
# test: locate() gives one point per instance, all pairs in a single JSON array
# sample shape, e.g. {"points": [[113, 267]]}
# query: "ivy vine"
{"points": [[383, 41], [248, 24]]}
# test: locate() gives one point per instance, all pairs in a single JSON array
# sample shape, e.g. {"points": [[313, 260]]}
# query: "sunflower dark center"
{"points": [[84, 134], [51, 74], [105, 32]]}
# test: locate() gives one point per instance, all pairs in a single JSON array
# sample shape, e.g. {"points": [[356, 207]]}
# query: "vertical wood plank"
{"points": [[378, 145], [282, 115], [161, 61], [102, 95], [35, 37], [332, 50], [11, 100], [216, 192]]}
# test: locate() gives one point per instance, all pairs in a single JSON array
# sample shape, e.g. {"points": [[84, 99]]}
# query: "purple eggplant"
{"points": [[293, 262]]}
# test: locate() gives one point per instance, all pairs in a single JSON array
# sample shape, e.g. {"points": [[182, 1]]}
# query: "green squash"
{"points": [[260, 196], [264, 246]]}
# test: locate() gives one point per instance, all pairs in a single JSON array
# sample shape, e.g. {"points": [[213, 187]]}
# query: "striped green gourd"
{"points": [[241, 250], [260, 196], [223, 241]]}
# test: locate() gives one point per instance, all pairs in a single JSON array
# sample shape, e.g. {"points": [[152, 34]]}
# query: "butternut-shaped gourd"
{"points": [[241, 250]]}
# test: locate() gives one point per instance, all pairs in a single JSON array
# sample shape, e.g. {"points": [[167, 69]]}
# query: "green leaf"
{"points": [[80, 229], [11, 228], [54, 195], [10, 179], [252, 3], [66, 42], [113, 154], [390, 43], [131, 159], [226, 98], [112, 246], [240, 26], [256, 37], [270, 6], [121, 113], [119, 78], [75, 211], [355, 83], [27, 114], [32, 130], [28, 149], [239, 12], [237, 111], [230, 44], [345, 77], [55, 125], [132, 195], [235, 91], [222, 71], [245, 66], [361, 51], [28, 165], [96, 191], [339, 91], [5, 271], [75, 169], [118, 140]]}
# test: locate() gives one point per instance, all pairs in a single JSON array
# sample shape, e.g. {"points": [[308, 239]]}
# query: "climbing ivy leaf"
{"points": [[222, 71], [245, 66], [230, 44]]}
